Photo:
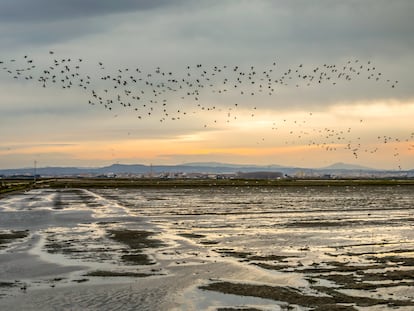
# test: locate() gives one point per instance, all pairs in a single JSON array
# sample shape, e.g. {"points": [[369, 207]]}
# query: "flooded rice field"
{"points": [[231, 248]]}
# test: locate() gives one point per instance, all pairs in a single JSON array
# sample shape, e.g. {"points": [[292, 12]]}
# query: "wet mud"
{"points": [[231, 248]]}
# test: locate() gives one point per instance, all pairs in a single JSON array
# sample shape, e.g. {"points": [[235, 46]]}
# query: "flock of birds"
{"points": [[168, 96]]}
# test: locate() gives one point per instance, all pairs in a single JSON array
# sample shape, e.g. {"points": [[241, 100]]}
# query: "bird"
{"points": [[148, 93]]}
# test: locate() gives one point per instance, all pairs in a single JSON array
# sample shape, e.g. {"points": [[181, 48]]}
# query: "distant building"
{"points": [[260, 175]]}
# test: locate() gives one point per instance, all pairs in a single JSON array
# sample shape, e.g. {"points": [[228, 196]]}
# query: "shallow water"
{"points": [[305, 238]]}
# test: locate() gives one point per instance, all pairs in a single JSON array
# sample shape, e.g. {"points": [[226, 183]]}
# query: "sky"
{"points": [[295, 83]]}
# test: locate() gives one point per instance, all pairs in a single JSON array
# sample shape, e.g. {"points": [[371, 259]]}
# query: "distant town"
{"points": [[206, 171]]}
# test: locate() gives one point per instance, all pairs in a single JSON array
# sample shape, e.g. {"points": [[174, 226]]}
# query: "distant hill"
{"points": [[337, 169], [219, 164], [213, 168], [345, 166]]}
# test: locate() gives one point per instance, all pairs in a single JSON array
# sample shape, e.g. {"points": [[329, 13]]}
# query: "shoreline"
{"points": [[13, 186]]}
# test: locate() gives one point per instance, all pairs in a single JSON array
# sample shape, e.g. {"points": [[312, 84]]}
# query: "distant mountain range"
{"points": [[219, 164], [341, 169], [345, 166]]}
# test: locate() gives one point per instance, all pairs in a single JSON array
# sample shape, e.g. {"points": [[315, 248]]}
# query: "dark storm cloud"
{"points": [[49, 10], [43, 22]]}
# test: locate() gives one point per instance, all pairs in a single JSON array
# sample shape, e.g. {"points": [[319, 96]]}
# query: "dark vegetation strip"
{"points": [[101, 273], [293, 296], [6, 237], [137, 241], [238, 309], [192, 235], [9, 186], [160, 183], [8, 284], [340, 223]]}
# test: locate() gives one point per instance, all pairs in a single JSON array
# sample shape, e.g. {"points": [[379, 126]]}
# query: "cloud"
{"points": [[239, 31], [28, 11], [40, 22], [15, 148]]}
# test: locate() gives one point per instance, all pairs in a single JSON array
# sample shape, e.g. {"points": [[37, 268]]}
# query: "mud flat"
{"points": [[201, 248]]}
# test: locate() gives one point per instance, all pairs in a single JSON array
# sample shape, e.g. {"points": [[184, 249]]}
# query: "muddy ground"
{"points": [[232, 248]]}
